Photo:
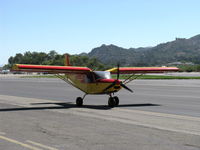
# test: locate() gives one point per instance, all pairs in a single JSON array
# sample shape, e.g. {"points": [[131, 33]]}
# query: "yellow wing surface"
{"points": [[142, 70]]}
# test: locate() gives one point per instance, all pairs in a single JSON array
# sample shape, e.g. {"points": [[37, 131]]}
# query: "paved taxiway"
{"points": [[40, 114]]}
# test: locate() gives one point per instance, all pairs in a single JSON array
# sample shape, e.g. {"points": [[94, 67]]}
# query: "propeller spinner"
{"points": [[118, 82]]}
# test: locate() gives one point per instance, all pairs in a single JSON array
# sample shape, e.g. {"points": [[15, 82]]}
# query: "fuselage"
{"points": [[95, 82]]}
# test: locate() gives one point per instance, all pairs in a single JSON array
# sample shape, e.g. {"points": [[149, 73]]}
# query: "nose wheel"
{"points": [[113, 101]]}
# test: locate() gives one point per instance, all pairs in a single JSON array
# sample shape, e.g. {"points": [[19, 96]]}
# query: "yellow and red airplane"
{"points": [[94, 82]]}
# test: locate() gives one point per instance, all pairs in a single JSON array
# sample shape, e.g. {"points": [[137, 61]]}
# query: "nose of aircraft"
{"points": [[117, 84]]}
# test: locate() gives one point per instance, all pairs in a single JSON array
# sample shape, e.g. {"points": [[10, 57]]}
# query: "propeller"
{"points": [[127, 88], [117, 81]]}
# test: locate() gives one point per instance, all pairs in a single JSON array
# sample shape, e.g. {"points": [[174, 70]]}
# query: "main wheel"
{"points": [[79, 101], [116, 100], [111, 102]]}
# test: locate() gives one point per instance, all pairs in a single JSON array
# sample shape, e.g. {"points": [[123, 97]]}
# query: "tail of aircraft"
{"points": [[67, 60]]}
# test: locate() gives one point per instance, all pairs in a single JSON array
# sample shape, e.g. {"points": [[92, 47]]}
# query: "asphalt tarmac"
{"points": [[40, 114]]}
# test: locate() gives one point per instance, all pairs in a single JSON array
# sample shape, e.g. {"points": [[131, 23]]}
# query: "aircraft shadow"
{"points": [[71, 105]]}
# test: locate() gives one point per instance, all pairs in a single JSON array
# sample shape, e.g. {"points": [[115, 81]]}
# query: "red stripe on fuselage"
{"points": [[108, 81]]}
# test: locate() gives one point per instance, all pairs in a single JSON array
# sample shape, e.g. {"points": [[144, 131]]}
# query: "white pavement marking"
{"points": [[41, 145], [162, 121]]}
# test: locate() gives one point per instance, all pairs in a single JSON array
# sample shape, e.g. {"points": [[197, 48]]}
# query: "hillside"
{"points": [[179, 50]]}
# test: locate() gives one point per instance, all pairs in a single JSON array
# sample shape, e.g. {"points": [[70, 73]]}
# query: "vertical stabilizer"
{"points": [[67, 60]]}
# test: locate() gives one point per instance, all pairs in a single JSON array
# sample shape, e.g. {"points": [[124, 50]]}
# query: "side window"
{"points": [[96, 76], [90, 77]]}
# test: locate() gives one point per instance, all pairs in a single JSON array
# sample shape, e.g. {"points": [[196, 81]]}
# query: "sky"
{"points": [[76, 26]]}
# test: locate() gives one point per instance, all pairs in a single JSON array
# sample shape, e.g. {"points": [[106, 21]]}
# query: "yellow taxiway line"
{"points": [[19, 143], [26, 145]]}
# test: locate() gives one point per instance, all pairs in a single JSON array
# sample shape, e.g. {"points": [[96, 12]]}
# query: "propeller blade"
{"points": [[124, 86], [110, 86]]}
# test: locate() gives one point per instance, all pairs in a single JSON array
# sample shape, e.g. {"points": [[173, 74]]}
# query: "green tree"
{"points": [[53, 58]]}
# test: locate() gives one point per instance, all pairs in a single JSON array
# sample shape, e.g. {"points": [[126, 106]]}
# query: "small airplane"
{"points": [[94, 82]]}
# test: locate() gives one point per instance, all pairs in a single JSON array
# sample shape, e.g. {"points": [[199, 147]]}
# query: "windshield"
{"points": [[102, 75]]}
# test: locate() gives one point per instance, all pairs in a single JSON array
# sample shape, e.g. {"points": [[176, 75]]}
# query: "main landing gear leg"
{"points": [[79, 101], [113, 101]]}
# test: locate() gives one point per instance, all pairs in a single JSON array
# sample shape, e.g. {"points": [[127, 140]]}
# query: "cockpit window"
{"points": [[102, 75]]}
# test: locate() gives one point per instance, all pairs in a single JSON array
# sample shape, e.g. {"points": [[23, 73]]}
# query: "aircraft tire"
{"points": [[79, 101], [116, 100], [111, 102]]}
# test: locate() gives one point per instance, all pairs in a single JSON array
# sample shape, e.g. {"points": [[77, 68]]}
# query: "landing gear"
{"points": [[79, 101], [113, 101], [116, 100]]}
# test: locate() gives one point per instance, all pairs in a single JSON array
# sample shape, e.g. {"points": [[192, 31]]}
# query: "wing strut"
{"points": [[131, 78]]}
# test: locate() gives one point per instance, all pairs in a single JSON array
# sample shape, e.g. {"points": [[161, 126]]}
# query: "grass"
{"points": [[160, 77], [166, 77], [39, 76]]}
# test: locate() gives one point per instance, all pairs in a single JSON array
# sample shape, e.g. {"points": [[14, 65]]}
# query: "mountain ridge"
{"points": [[179, 50]]}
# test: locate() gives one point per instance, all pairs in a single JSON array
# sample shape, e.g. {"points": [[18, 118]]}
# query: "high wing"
{"points": [[132, 73], [142, 70], [50, 69]]}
